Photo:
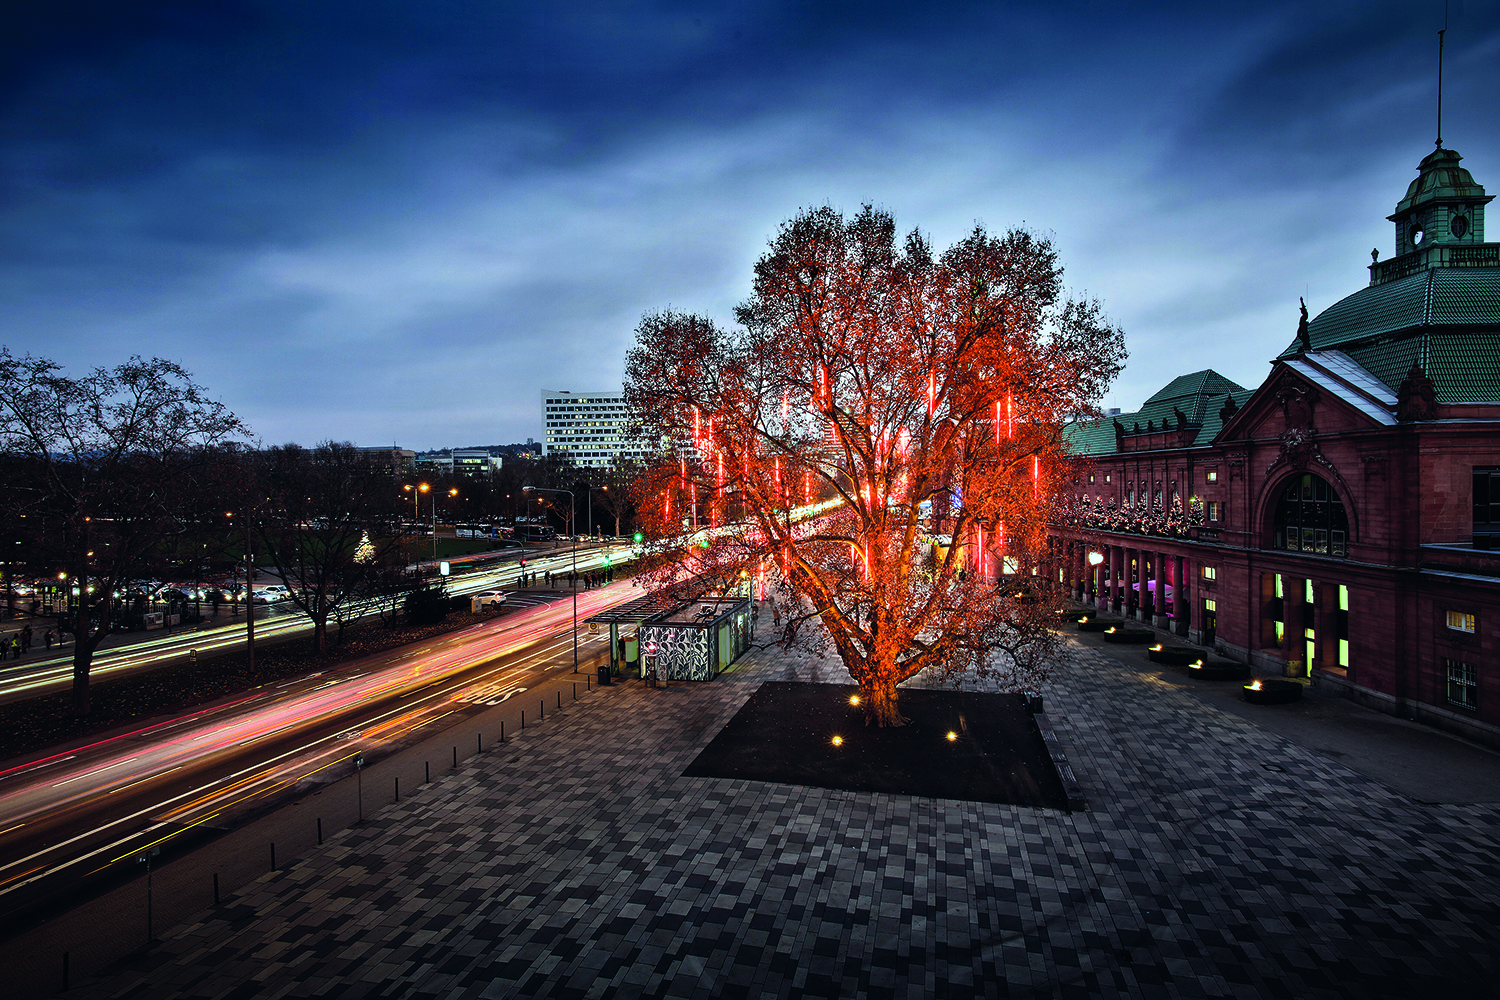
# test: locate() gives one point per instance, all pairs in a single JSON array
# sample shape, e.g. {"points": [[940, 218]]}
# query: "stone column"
{"points": [[1162, 621], [1143, 585], [1116, 577], [1182, 603]]}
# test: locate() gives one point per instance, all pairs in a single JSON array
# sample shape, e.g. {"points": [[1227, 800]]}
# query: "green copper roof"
{"points": [[1470, 296], [1370, 312], [1207, 382], [1421, 318], [1465, 367], [1439, 177], [1198, 396], [1389, 361], [1212, 423]]}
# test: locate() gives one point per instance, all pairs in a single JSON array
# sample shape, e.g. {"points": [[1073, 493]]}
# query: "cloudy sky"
{"points": [[398, 222]]}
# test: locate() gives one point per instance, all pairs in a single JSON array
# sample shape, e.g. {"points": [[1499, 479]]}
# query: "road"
{"points": [[31, 679], [79, 818]]}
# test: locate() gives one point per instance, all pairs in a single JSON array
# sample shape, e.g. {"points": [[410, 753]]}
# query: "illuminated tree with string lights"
{"points": [[876, 445]]}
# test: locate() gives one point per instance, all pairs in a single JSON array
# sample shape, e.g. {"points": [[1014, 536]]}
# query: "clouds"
{"points": [[398, 222]]}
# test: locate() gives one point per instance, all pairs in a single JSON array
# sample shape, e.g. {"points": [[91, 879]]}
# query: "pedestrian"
{"points": [[15, 646], [26, 635], [48, 639]]}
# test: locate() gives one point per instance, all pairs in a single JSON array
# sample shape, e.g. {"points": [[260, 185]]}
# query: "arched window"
{"points": [[1310, 517]]}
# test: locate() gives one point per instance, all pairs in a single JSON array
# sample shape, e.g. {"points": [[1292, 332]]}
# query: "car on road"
{"points": [[490, 598], [269, 596]]}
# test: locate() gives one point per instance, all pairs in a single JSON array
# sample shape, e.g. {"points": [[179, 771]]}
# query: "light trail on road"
{"points": [[55, 673], [304, 728]]}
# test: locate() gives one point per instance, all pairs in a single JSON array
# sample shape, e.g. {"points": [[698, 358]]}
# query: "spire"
{"points": [[1440, 77]]}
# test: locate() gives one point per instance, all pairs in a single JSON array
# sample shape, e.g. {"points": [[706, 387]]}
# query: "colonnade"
{"points": [[1136, 581]]}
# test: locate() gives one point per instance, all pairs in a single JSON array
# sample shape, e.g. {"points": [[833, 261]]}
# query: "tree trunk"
{"points": [[83, 659], [878, 698]]}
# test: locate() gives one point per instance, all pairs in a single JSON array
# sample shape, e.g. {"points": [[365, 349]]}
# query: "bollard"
{"points": [[455, 756], [575, 690], [273, 855], [502, 730], [559, 696], [478, 743], [398, 791], [320, 836], [523, 718], [426, 771], [588, 683], [542, 708], [216, 878]]}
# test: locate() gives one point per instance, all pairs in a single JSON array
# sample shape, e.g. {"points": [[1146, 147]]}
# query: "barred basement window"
{"points": [[1463, 684], [1461, 621]]}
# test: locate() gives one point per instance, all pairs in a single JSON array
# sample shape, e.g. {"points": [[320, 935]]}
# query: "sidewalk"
{"points": [[1218, 858]]}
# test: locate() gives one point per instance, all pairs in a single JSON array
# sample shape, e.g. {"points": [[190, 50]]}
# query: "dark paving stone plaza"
{"points": [[1216, 858]]}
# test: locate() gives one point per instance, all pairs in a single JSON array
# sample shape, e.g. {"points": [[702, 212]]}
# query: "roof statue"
{"points": [[1303, 337]]}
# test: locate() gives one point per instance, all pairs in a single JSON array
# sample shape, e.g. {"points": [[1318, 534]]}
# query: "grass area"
{"points": [[47, 721]]}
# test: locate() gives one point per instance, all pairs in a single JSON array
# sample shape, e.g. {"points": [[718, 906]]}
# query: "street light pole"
{"points": [[571, 500]]}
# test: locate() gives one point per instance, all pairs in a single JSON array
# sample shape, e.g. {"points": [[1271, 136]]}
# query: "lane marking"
{"points": [[90, 774]]}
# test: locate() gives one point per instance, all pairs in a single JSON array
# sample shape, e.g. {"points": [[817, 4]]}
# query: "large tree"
{"points": [[113, 463], [923, 394]]}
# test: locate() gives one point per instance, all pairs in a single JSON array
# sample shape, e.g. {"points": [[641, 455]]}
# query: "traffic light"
{"points": [[639, 538]]}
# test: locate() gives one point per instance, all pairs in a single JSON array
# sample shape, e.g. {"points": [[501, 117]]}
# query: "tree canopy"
{"points": [[919, 397]]}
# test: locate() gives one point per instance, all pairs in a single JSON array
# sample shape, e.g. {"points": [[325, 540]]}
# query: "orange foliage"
{"points": [[920, 397]]}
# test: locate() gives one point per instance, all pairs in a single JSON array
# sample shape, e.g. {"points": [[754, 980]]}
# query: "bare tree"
{"points": [[920, 398], [328, 523], [115, 456]]}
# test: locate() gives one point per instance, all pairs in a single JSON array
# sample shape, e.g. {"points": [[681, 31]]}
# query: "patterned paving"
{"points": [[1216, 859]]}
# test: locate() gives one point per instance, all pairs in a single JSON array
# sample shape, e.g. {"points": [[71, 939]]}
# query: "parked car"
{"points": [[490, 598]]}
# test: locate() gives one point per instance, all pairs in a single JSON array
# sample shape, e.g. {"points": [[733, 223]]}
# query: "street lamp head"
{"points": [[424, 487], [527, 489]]}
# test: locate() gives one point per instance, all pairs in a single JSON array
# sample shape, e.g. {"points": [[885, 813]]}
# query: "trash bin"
{"points": [[603, 674]]}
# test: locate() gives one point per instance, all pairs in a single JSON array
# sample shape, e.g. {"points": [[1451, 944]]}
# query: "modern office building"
{"points": [[460, 462], [1341, 521], [589, 429], [397, 461]]}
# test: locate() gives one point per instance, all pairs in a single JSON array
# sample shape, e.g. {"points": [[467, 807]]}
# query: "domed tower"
{"points": [[1439, 222], [1430, 316]]}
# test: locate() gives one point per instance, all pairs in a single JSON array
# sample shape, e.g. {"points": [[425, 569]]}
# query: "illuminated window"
{"points": [[1210, 572], [1212, 476], [1210, 606], [1461, 621], [1463, 684], [1215, 510], [1107, 477], [1310, 518], [1343, 626], [1091, 478]]}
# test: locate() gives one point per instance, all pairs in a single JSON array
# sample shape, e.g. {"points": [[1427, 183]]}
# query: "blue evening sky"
{"points": [[397, 222]]}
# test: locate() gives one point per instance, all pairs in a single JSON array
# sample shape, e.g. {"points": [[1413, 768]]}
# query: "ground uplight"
{"points": [[838, 741], [854, 699], [952, 736]]}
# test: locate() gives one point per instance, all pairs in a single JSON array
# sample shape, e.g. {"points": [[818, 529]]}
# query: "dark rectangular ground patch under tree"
{"points": [[810, 734]]}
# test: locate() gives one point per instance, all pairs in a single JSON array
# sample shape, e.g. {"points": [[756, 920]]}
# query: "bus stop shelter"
{"points": [[698, 638], [625, 649]]}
